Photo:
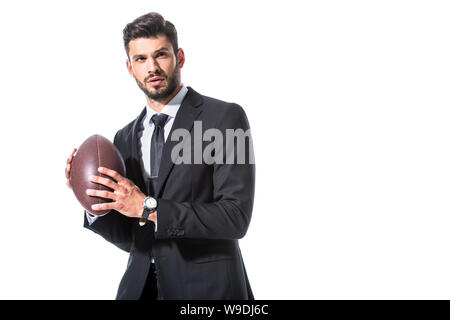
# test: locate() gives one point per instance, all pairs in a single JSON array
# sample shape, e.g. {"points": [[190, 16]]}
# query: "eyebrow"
{"points": [[144, 55], [162, 49]]}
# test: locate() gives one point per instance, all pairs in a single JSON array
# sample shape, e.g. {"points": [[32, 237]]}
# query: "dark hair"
{"points": [[147, 26]]}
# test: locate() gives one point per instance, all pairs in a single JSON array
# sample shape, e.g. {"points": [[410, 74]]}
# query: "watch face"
{"points": [[150, 203]]}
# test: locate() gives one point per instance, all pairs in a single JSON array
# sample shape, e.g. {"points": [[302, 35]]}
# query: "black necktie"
{"points": [[157, 144]]}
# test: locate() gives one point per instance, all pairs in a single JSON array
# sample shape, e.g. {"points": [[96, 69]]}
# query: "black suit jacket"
{"points": [[203, 209]]}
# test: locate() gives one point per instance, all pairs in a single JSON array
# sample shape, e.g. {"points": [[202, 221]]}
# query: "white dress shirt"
{"points": [[145, 133]]}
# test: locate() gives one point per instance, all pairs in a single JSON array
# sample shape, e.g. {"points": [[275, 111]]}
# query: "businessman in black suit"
{"points": [[179, 218]]}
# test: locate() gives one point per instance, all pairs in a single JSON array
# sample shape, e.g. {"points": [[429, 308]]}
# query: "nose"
{"points": [[153, 66]]}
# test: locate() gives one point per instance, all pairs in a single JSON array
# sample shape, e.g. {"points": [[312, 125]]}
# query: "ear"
{"points": [[130, 68], [181, 57]]}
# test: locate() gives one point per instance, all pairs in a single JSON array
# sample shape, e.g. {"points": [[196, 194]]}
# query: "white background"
{"points": [[348, 102]]}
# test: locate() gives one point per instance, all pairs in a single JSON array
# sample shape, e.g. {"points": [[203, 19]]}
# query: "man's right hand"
{"points": [[69, 161]]}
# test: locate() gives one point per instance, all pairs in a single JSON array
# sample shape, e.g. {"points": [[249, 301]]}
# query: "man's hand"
{"points": [[127, 197], [68, 163]]}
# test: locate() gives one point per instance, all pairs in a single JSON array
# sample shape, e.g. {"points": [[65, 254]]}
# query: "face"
{"points": [[155, 66]]}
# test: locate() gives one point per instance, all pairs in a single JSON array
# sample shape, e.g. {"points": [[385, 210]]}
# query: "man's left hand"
{"points": [[127, 197]]}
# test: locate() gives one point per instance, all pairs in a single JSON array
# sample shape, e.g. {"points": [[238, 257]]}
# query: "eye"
{"points": [[161, 54], [140, 59]]}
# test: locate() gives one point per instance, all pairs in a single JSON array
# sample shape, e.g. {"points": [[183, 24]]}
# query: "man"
{"points": [[179, 220]]}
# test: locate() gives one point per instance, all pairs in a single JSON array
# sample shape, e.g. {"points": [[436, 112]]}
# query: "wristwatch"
{"points": [[150, 205]]}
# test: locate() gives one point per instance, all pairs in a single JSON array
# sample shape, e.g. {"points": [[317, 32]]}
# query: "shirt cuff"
{"points": [[92, 217]]}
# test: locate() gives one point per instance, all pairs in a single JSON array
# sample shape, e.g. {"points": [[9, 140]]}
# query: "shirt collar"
{"points": [[171, 108]]}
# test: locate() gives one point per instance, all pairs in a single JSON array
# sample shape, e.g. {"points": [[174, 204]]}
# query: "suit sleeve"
{"points": [[228, 215], [114, 226]]}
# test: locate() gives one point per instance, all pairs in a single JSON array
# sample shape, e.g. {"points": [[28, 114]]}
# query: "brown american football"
{"points": [[96, 151]]}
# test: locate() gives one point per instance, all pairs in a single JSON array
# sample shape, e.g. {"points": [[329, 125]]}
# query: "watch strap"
{"points": [[144, 217]]}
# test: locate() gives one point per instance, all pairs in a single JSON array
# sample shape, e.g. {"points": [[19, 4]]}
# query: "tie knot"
{"points": [[159, 119]]}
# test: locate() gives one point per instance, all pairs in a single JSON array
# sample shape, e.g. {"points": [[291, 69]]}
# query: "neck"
{"points": [[157, 106]]}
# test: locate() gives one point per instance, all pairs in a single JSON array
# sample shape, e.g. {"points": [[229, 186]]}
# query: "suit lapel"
{"points": [[189, 111], [137, 177]]}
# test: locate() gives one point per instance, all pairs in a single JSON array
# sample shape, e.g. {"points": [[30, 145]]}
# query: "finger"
{"points": [[104, 181], [101, 193], [68, 171], [68, 184], [69, 159], [113, 174], [104, 206]]}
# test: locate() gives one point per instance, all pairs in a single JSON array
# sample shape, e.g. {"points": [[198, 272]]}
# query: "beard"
{"points": [[160, 93]]}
